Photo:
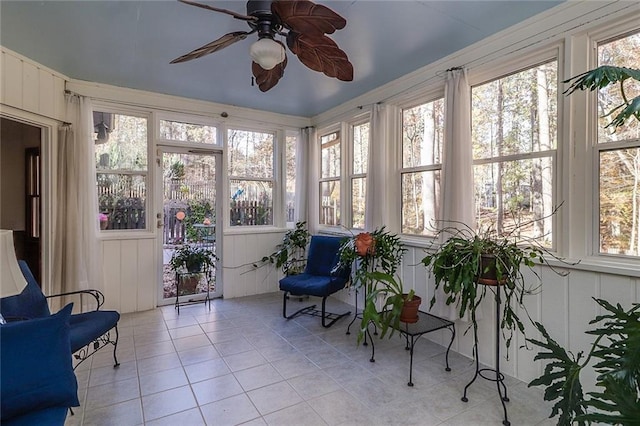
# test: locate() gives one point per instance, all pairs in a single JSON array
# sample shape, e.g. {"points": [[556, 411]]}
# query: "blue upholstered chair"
{"points": [[318, 279], [88, 331]]}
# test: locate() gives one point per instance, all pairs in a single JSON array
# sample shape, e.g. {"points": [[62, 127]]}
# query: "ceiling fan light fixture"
{"points": [[267, 53]]}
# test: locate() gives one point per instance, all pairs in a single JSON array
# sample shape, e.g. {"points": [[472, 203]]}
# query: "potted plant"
{"points": [[188, 262], [291, 254], [469, 262], [377, 256], [615, 357]]}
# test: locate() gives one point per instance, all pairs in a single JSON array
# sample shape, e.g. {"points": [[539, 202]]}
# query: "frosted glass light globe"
{"points": [[267, 53]]}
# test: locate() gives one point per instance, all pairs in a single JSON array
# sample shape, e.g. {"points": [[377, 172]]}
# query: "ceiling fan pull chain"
{"points": [[253, 81]]}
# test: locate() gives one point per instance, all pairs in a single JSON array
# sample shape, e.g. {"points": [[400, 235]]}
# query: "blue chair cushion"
{"points": [[88, 326], [323, 255], [29, 304], [36, 371], [312, 285]]}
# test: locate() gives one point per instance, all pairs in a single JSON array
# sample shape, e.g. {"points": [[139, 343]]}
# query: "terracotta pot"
{"points": [[410, 309], [104, 224]]}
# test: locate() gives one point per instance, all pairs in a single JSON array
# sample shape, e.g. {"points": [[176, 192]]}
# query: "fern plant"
{"points": [[615, 355]]}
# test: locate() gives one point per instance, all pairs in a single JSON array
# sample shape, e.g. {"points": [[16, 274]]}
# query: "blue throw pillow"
{"points": [[36, 371]]}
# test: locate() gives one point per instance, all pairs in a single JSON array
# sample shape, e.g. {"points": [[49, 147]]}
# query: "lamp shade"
{"points": [[12, 281], [267, 53]]}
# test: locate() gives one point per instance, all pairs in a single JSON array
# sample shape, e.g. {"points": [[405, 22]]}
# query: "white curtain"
{"points": [[375, 198], [312, 191], [307, 136], [77, 251], [457, 168]]}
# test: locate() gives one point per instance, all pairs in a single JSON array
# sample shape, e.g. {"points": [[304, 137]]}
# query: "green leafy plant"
{"points": [[601, 77], [468, 257], [192, 259], [291, 254], [615, 355], [376, 256], [196, 213]]}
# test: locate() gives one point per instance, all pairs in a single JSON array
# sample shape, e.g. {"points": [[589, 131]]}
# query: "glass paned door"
{"points": [[189, 223]]}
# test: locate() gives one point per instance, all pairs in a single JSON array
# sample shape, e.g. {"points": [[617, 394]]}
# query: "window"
{"points": [[422, 138], [291, 142], [330, 179], [514, 128], [121, 170], [251, 177], [619, 156], [359, 155], [187, 132]]}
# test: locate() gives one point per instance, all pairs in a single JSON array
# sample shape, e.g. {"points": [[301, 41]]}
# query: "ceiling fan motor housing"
{"points": [[268, 23]]}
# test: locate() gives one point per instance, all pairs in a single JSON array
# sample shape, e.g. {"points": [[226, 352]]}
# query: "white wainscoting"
{"points": [[564, 305]]}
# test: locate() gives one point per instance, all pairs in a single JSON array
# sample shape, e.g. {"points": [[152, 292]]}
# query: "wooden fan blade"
{"points": [[321, 54], [217, 9], [266, 79], [306, 17], [214, 46]]}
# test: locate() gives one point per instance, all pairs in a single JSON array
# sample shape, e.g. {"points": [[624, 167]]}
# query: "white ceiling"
{"points": [[130, 44]]}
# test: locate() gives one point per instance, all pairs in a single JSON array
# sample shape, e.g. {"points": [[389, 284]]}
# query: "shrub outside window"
{"points": [[251, 177], [514, 134], [121, 170]]}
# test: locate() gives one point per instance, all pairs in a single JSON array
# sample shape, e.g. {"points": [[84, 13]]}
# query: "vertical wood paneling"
{"points": [[617, 289], [30, 87], [12, 80], [129, 275], [111, 274], [46, 97], [147, 275]]}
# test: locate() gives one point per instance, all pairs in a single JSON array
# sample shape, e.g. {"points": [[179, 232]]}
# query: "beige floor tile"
{"points": [[231, 411], [274, 397], [168, 402], [162, 380], [191, 417], [216, 389]]}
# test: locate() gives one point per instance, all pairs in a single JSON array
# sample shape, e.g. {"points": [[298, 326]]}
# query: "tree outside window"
{"points": [[619, 156], [121, 170], [422, 138], [291, 142], [514, 133], [251, 177]]}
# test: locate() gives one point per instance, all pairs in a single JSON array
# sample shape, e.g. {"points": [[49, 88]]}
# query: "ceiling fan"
{"points": [[303, 24]]}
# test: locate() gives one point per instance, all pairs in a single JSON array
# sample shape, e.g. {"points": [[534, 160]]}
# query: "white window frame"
{"points": [[514, 66], [596, 148], [427, 98], [347, 213], [276, 177], [340, 130], [119, 109]]}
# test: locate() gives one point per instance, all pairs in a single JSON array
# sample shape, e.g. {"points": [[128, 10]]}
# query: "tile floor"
{"points": [[242, 363]]}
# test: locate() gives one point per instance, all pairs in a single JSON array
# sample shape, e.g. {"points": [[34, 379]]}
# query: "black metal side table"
{"points": [[413, 331], [180, 279]]}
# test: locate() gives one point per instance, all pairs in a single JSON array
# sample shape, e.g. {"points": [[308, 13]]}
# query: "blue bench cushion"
{"points": [[36, 371], [54, 416], [88, 326], [312, 285]]}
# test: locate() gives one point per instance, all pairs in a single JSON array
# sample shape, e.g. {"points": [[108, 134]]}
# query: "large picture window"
{"points": [[619, 156], [121, 170], [514, 134], [422, 138], [251, 177]]}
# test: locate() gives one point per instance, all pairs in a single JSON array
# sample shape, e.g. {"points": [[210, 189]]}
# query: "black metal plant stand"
{"points": [[491, 374]]}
